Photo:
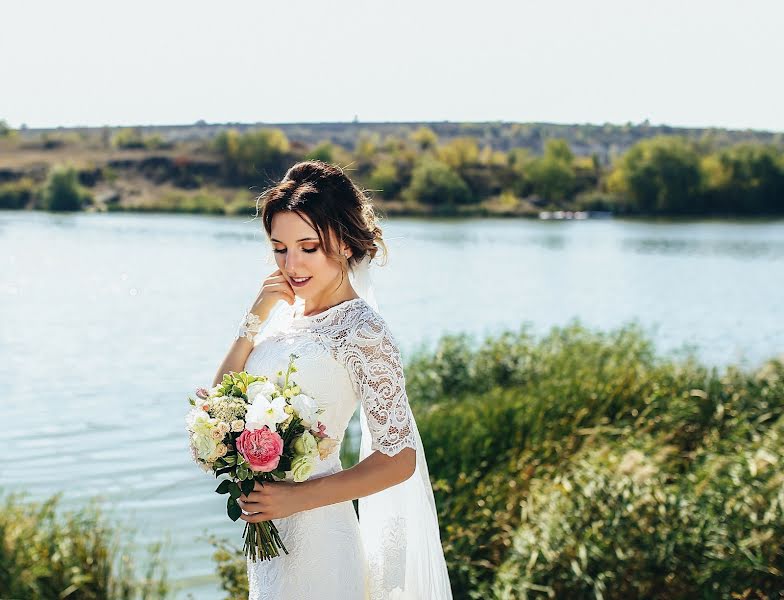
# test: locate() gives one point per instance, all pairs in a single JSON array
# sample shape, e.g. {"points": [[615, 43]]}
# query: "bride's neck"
{"points": [[317, 305]]}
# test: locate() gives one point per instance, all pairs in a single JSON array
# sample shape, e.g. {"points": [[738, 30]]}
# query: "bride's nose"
{"points": [[292, 263]]}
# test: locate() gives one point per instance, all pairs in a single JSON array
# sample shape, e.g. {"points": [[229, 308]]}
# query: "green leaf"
{"points": [[223, 488], [284, 464], [247, 486], [191, 401], [229, 459], [234, 490], [233, 509]]}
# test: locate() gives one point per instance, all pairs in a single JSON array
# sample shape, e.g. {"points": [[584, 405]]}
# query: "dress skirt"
{"points": [[326, 559]]}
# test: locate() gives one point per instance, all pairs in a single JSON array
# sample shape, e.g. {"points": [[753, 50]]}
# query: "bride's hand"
{"points": [[272, 500], [274, 288]]}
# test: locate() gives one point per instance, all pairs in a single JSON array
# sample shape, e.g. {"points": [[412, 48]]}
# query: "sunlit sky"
{"points": [[682, 63]]}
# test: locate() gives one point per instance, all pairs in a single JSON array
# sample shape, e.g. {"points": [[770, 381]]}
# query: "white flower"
{"points": [[193, 415], [264, 388], [265, 412], [306, 407]]}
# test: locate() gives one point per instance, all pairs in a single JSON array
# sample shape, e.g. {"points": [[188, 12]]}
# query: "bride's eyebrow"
{"points": [[302, 240]]}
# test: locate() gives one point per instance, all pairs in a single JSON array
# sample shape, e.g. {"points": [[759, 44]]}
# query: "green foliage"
{"points": [[425, 138], [5, 129], [132, 138], [48, 553], [660, 175], [617, 521], [502, 419], [552, 176], [385, 180], [437, 184], [253, 156], [745, 179], [325, 152], [16, 194], [63, 192]]}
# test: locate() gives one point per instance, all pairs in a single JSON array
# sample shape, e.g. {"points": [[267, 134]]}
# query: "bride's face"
{"points": [[299, 254]]}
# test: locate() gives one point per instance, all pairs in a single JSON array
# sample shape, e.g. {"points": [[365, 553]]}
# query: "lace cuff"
{"points": [[249, 326]]}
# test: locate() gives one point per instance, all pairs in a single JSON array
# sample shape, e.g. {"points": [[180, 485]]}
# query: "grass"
{"points": [[50, 553]]}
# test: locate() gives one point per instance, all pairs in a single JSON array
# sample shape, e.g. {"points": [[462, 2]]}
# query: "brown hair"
{"points": [[331, 202]]}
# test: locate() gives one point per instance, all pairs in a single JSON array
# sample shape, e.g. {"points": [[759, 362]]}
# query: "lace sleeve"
{"points": [[374, 364]]}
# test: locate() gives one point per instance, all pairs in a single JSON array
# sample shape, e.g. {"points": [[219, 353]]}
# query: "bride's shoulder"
{"points": [[368, 325]]}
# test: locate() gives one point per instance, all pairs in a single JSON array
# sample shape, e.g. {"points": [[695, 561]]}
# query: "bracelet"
{"points": [[249, 326]]}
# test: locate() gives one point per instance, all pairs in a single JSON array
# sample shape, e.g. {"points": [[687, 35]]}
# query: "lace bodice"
{"points": [[347, 354]]}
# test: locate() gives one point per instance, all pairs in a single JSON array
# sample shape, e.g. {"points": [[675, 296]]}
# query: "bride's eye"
{"points": [[308, 250]]}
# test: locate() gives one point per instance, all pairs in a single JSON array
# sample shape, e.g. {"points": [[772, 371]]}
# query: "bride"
{"points": [[324, 235]]}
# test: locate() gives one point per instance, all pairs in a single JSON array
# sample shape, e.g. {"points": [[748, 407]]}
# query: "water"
{"points": [[107, 322]]}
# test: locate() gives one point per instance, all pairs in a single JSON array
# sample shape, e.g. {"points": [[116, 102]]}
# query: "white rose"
{"points": [[306, 407]]}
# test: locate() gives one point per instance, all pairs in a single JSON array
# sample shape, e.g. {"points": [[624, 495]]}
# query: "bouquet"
{"points": [[252, 429]]}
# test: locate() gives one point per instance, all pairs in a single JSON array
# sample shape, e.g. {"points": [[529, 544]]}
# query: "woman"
{"points": [[324, 234]]}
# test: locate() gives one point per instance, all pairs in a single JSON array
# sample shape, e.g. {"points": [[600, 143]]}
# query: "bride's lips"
{"points": [[299, 284]]}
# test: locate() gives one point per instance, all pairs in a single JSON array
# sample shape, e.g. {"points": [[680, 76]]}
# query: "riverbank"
{"points": [[411, 173]]}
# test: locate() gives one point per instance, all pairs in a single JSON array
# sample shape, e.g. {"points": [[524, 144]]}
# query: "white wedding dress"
{"points": [[347, 356]]}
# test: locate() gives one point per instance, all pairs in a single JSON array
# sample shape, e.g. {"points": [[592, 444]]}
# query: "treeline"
{"points": [[421, 174], [661, 175]]}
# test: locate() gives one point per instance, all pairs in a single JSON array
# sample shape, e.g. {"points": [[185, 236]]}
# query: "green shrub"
{"points": [[48, 553], [325, 151], [436, 183], [16, 194], [63, 192], [617, 522]]}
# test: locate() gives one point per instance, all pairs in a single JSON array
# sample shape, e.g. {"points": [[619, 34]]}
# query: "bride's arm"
{"points": [[377, 472], [273, 289], [373, 360], [373, 474], [235, 359]]}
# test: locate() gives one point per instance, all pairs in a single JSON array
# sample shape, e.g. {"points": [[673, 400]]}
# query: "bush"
{"points": [[63, 192], [249, 157], [618, 522], [435, 183], [199, 203], [17, 194], [49, 554]]}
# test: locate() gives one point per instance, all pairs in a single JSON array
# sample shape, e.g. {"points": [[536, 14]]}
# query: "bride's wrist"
{"points": [[249, 326]]}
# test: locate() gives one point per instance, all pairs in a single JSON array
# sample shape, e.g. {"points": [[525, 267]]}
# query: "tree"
{"points": [[660, 175], [425, 138], [747, 178], [552, 176], [63, 192], [435, 183], [247, 157]]}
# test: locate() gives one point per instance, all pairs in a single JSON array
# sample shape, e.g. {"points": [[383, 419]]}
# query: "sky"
{"points": [[691, 63]]}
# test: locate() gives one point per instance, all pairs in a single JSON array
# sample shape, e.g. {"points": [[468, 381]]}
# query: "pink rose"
{"points": [[261, 448], [202, 393]]}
